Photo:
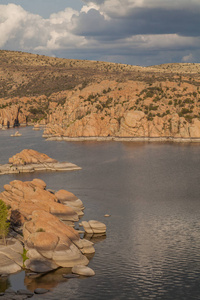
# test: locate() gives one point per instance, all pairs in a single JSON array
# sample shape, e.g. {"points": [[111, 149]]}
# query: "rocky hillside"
{"points": [[88, 98]]}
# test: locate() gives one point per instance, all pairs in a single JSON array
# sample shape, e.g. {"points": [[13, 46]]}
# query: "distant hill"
{"points": [[25, 74], [92, 98]]}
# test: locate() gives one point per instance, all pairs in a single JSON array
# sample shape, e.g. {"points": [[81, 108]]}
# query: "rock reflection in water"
{"points": [[95, 238], [4, 284], [47, 280]]}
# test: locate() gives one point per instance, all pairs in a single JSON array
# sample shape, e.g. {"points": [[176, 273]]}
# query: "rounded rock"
{"points": [[83, 270], [40, 291]]}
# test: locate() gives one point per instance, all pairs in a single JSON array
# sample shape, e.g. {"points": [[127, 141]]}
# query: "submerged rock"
{"points": [[25, 292], [69, 276]]}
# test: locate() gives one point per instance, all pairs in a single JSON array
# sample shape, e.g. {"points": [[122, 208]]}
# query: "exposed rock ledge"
{"points": [[29, 161], [124, 139], [41, 218]]}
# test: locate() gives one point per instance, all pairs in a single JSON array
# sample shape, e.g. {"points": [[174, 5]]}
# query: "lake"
{"points": [[151, 191]]}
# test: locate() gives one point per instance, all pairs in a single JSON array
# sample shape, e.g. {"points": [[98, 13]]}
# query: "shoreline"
{"points": [[124, 139]]}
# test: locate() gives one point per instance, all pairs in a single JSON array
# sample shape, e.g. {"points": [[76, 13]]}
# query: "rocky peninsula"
{"points": [[42, 237], [29, 161]]}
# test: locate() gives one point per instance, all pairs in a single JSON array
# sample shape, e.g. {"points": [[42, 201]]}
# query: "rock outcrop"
{"points": [[129, 109], [29, 156], [16, 134], [99, 99], [29, 161], [70, 200], [94, 227], [25, 197], [51, 243], [83, 270], [48, 241]]}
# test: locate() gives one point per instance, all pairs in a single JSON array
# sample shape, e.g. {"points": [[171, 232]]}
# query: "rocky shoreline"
{"points": [[123, 139], [42, 237]]}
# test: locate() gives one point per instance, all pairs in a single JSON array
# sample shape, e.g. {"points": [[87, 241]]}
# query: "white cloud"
{"points": [[107, 29], [188, 58], [63, 17], [21, 30]]}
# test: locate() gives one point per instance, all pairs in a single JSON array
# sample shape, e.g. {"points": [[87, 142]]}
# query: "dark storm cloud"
{"points": [[128, 31], [141, 21]]}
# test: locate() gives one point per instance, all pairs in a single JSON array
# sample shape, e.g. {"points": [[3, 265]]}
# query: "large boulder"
{"points": [[69, 199], [52, 243], [133, 117], [83, 270], [93, 227]]}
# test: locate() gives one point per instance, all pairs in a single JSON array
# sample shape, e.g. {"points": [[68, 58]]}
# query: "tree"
{"points": [[4, 224]]}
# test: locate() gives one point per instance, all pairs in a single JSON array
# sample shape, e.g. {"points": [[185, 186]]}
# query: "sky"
{"points": [[137, 32]]}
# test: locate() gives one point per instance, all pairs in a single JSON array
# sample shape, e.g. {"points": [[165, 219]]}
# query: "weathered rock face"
{"points": [[49, 242], [29, 156], [129, 109], [94, 227], [25, 197], [70, 200], [132, 118], [97, 96], [9, 115]]}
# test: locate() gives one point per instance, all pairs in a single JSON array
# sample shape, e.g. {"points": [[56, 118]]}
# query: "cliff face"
{"points": [[86, 99], [130, 109]]}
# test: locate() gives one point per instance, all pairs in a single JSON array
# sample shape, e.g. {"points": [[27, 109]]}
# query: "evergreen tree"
{"points": [[4, 224]]}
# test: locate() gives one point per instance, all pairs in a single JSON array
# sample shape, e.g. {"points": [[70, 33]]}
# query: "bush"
{"points": [[4, 224]]}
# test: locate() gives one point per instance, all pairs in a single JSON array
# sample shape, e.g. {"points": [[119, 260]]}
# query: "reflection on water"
{"points": [[4, 284], [46, 281], [151, 191], [95, 238]]}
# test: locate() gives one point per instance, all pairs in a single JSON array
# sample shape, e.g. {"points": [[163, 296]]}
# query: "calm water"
{"points": [[152, 248]]}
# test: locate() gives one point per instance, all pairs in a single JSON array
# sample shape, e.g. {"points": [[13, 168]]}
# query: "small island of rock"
{"points": [[29, 161]]}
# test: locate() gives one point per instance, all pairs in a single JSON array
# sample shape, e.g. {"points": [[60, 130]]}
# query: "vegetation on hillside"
{"points": [[39, 86]]}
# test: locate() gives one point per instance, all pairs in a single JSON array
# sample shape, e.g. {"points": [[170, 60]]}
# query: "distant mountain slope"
{"points": [[90, 98]]}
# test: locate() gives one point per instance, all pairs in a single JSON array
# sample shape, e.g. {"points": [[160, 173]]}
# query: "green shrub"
{"points": [[40, 230], [4, 224], [24, 256]]}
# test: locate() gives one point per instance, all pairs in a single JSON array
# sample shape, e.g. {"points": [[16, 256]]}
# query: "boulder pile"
{"points": [[29, 161], [47, 243]]}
